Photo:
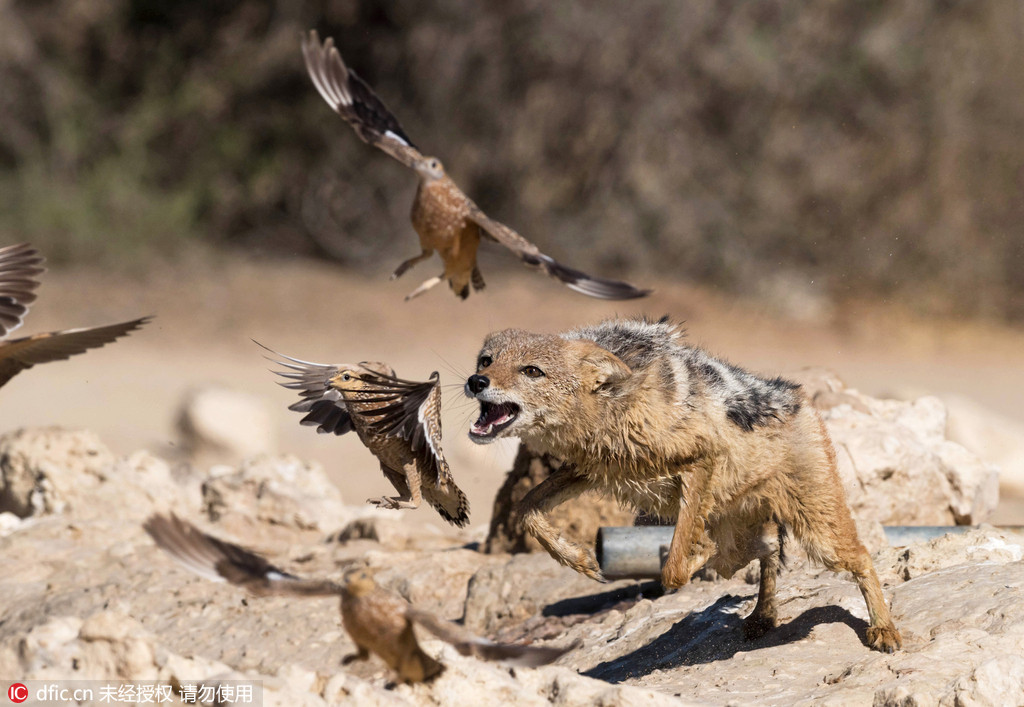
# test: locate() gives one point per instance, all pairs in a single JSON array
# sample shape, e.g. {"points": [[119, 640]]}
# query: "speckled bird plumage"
{"points": [[445, 219], [376, 619], [399, 421], [19, 266]]}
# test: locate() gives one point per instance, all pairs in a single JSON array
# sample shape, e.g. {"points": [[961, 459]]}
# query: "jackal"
{"points": [[734, 459]]}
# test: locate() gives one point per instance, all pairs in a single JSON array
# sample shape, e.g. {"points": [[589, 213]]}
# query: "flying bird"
{"points": [[378, 620], [445, 219], [398, 420], [19, 266]]}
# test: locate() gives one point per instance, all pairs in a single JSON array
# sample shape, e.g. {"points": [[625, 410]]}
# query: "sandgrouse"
{"points": [[378, 621], [398, 420], [445, 219], [19, 266]]}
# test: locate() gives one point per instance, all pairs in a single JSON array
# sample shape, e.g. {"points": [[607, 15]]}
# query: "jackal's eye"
{"points": [[531, 371], [484, 362]]}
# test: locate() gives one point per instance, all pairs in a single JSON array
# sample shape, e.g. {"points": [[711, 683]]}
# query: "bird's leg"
{"points": [[404, 267], [361, 654], [478, 279], [408, 485], [424, 287]]}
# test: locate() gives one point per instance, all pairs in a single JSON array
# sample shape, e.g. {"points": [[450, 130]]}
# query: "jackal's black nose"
{"points": [[476, 383]]}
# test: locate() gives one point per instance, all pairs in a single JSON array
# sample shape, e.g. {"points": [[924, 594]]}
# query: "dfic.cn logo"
{"points": [[17, 692]]}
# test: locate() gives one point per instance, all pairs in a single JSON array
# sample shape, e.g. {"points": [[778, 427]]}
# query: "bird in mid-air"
{"points": [[398, 420], [446, 220], [19, 266], [378, 620]]}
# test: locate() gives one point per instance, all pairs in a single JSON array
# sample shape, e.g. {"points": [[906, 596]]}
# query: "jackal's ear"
{"points": [[600, 369]]}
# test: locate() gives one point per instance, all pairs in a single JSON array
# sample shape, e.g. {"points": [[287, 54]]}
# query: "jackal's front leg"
{"points": [[554, 490], [691, 547]]}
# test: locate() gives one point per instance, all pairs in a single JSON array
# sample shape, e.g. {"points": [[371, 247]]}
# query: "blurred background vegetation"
{"points": [[847, 148]]}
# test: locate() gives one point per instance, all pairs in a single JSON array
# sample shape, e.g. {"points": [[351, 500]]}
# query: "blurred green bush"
{"points": [[870, 147]]}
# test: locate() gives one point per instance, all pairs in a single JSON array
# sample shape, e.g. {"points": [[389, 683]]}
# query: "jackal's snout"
{"points": [[476, 384]]}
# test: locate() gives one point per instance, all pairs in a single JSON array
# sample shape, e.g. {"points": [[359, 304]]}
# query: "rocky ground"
{"points": [[89, 597]]}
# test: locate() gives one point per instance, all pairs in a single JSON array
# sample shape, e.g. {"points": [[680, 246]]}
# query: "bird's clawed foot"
{"points": [[404, 267], [477, 279], [392, 504], [361, 654], [424, 287]]}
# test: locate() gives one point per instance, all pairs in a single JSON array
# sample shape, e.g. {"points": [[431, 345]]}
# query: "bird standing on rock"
{"points": [[444, 217], [377, 620], [19, 266], [398, 420]]}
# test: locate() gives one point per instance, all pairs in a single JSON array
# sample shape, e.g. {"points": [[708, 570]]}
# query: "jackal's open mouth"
{"points": [[493, 418]]}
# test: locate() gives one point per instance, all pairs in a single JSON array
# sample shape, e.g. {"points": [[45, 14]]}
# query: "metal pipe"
{"points": [[900, 535], [634, 552]]}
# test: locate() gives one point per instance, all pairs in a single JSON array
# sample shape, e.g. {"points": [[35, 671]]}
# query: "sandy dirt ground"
{"points": [[208, 310]]}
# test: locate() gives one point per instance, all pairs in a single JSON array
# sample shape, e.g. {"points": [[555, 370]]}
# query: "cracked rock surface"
{"points": [[87, 595]]}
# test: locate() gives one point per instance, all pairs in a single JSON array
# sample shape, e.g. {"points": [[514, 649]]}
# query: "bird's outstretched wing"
{"points": [[413, 412], [354, 100], [223, 561], [468, 643], [19, 265], [531, 255], [20, 354], [323, 405]]}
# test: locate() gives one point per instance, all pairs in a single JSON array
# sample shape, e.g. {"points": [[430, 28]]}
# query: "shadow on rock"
{"points": [[714, 634], [603, 601]]}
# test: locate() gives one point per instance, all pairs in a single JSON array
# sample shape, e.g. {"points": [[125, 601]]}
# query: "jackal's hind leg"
{"points": [[765, 615], [833, 541]]}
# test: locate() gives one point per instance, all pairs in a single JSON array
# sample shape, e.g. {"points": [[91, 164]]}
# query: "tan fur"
{"points": [[659, 440]]}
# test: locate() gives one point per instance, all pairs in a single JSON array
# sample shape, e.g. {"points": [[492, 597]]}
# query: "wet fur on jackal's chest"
{"points": [[654, 495]]}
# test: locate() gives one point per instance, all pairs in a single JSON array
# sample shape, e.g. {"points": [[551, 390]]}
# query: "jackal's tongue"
{"points": [[492, 416]]}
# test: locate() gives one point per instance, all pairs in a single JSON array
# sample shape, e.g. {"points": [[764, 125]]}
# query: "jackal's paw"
{"points": [[758, 624], [586, 563], [674, 577], [885, 638]]}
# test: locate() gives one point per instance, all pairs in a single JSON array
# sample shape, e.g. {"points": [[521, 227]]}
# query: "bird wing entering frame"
{"points": [[222, 561], [530, 255], [467, 643], [354, 100], [21, 354], [19, 265], [322, 404]]}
